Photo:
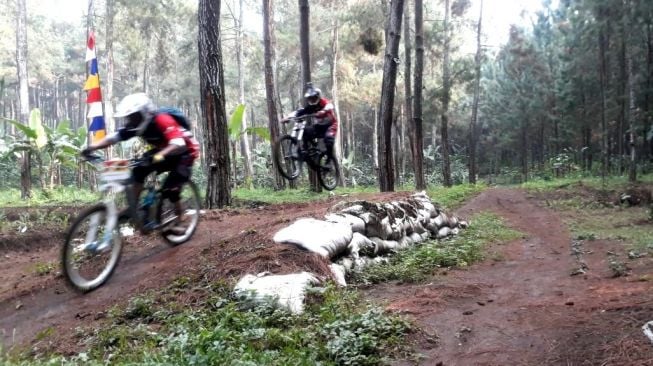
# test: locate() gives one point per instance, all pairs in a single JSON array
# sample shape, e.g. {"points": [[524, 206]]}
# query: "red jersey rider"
{"points": [[175, 148], [326, 123]]}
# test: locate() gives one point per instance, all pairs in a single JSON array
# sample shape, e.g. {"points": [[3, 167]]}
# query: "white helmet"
{"points": [[137, 109]]}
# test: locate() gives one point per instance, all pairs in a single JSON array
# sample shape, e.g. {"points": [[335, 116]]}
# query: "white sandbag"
{"points": [[377, 228], [407, 225], [442, 220], [648, 330], [463, 224], [361, 245], [357, 224], [453, 221], [432, 226], [405, 242], [416, 238], [439, 221], [425, 203], [361, 263], [426, 236], [287, 291], [347, 263], [424, 216], [328, 239], [338, 272], [384, 246], [455, 231], [444, 232], [380, 260], [418, 227], [355, 210], [394, 230]]}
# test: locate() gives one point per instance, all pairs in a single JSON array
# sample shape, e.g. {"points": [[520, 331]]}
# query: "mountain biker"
{"points": [[326, 123], [174, 149]]}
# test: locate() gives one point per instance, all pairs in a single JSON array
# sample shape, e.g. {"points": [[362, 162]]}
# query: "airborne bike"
{"points": [[93, 243], [291, 152]]}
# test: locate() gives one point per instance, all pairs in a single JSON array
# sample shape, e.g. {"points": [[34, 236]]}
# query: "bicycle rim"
{"points": [[91, 252], [328, 174], [177, 233], [287, 157]]}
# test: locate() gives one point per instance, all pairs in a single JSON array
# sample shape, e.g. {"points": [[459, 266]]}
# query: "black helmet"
{"points": [[312, 94]]}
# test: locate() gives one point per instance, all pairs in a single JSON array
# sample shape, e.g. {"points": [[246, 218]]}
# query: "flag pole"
{"points": [[89, 24]]}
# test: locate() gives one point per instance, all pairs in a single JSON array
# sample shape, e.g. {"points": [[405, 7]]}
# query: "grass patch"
{"points": [[612, 223], [447, 197], [453, 197], [56, 196], [417, 263], [337, 328], [612, 182], [44, 269], [593, 213], [33, 218]]}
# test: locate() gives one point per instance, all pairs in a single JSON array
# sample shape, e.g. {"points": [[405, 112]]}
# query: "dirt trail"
{"points": [[522, 306], [519, 307], [228, 244]]}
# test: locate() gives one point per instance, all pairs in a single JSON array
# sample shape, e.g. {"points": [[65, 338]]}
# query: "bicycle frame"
{"points": [[298, 133], [298, 128], [115, 177]]}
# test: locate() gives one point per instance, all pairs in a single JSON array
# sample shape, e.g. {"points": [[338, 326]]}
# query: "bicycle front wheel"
{"points": [[177, 230], [91, 251], [286, 153], [329, 172]]}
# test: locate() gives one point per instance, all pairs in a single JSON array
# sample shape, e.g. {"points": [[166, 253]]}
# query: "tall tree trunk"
{"points": [[417, 147], [244, 142], [524, 149], [351, 147], [108, 99], [212, 96], [55, 102], [270, 84], [446, 97], [408, 110], [304, 40], [630, 116], [477, 93], [375, 142], [390, 65], [252, 119], [334, 90], [23, 93], [648, 127], [603, 80], [624, 98]]}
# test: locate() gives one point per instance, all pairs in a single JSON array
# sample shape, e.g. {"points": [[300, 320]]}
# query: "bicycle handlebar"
{"points": [[98, 160], [298, 118]]}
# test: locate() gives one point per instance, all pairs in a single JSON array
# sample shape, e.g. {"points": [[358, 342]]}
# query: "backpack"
{"points": [[177, 114]]}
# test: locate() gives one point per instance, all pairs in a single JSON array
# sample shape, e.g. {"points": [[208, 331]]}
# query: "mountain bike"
{"points": [[93, 242], [291, 152]]}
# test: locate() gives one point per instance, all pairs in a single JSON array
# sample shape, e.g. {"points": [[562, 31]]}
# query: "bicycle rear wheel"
{"points": [[91, 251], [286, 153], [176, 230], [328, 173]]}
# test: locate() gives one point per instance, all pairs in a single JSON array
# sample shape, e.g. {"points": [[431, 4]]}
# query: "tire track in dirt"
{"points": [[524, 308]]}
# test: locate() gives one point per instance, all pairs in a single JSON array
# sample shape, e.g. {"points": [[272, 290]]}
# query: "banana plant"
{"points": [[235, 133], [58, 146]]}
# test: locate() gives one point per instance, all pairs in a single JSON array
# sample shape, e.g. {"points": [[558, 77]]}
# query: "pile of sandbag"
{"points": [[355, 234]]}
